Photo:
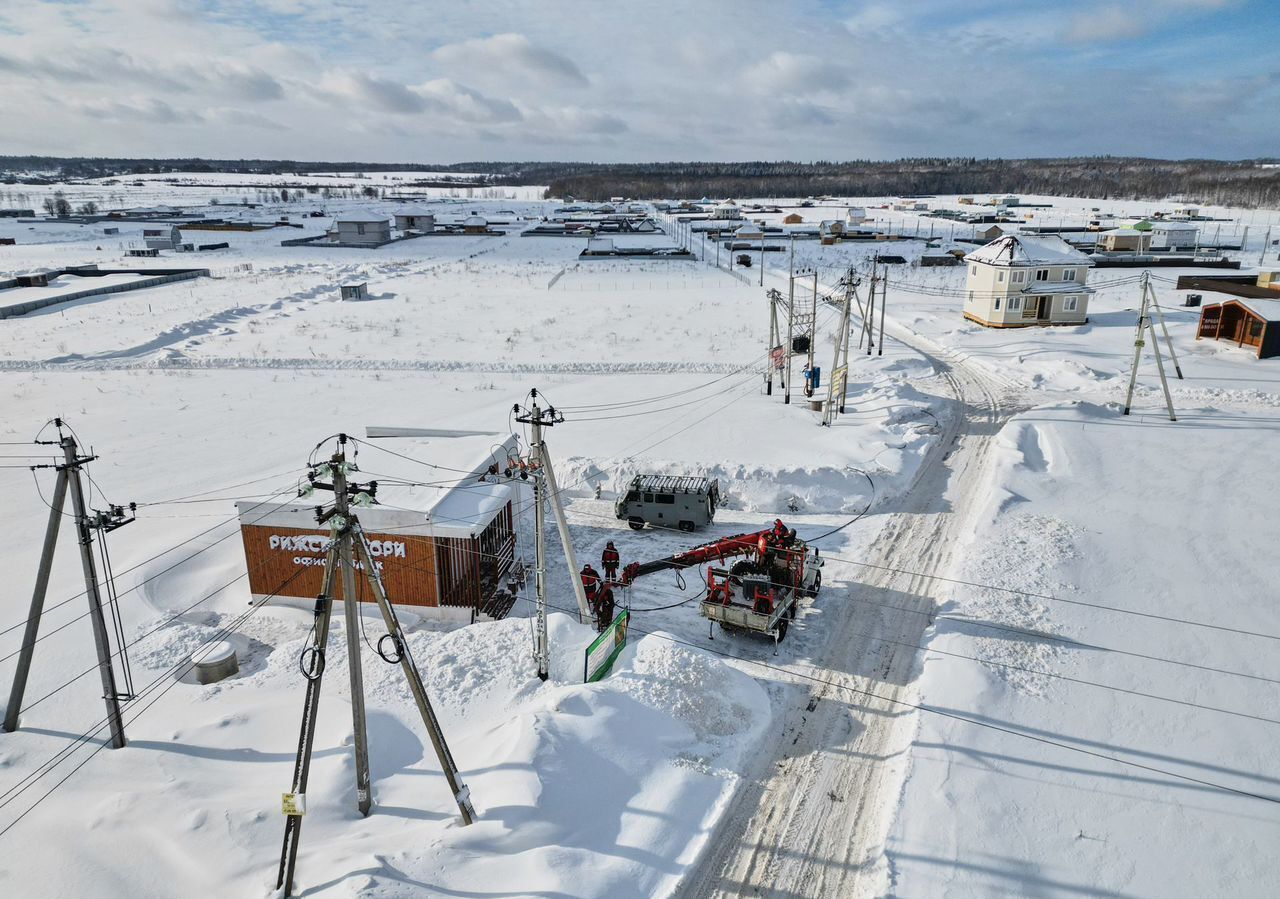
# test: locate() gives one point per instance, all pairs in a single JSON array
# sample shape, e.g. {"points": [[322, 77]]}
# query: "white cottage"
{"points": [[360, 226], [855, 216], [1019, 280]]}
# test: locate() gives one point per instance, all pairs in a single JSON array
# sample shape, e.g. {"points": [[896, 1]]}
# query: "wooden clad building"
{"points": [[1245, 322], [451, 560]]}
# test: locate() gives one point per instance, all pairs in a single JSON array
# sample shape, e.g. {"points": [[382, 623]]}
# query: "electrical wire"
{"points": [[956, 716], [187, 663]]}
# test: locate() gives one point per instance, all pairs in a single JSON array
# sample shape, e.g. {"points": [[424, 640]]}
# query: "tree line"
{"points": [[1247, 183]]}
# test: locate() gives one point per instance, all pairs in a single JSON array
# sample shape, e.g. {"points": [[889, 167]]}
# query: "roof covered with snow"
{"points": [[1026, 249], [362, 216], [475, 221], [1264, 309]]}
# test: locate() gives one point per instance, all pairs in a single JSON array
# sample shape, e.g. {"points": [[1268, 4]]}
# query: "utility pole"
{"points": [[762, 255], [791, 315], [69, 480], [1266, 239], [351, 620], [837, 380], [1145, 325], [347, 544], [884, 297], [869, 316], [544, 490], [775, 341]]}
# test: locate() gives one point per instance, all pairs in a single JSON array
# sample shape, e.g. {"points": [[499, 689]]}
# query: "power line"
{"points": [[158, 574], [88, 735], [958, 717], [1075, 602]]}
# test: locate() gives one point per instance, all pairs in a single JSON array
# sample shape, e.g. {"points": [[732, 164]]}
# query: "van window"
{"points": [[648, 497], [665, 499], [633, 496]]}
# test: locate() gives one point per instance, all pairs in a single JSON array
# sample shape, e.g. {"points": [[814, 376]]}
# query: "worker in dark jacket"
{"points": [[609, 560], [604, 606], [590, 582]]}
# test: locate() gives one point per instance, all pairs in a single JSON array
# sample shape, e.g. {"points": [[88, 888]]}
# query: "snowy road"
{"points": [[812, 817]]}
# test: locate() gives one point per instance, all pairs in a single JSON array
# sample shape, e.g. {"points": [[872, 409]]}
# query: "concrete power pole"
{"points": [[69, 480], [347, 545], [544, 491], [1145, 326]]}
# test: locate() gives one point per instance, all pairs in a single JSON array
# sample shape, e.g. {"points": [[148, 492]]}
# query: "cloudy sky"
{"points": [[436, 81]]}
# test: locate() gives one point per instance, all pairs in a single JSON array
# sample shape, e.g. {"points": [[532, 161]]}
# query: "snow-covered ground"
{"points": [[625, 787]]}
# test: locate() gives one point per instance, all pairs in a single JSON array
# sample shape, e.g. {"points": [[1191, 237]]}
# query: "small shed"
{"points": [[361, 227], [749, 231], [794, 218], [1174, 235], [475, 224], [167, 238], [599, 246], [1245, 322], [413, 219], [991, 232], [855, 215], [354, 291], [1124, 240]]}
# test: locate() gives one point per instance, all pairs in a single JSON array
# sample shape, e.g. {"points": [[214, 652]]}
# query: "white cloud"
{"points": [[796, 73], [510, 56]]}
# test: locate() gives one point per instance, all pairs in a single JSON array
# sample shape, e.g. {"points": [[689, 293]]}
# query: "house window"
{"points": [[1019, 277], [970, 300], [359, 229], [1068, 274], [1042, 274], [1015, 303], [973, 269], [1000, 277], [1070, 304], [997, 304]]}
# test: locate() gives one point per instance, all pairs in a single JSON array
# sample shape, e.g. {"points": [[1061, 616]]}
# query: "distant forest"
{"points": [[1245, 183]]}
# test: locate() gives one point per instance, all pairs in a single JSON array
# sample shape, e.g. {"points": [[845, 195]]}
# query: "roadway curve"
{"points": [[812, 815]]}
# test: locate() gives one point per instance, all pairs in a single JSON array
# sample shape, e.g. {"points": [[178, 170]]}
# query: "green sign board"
{"points": [[604, 649]]}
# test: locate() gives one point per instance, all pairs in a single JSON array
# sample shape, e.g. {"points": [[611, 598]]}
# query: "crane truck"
{"points": [[760, 591]]}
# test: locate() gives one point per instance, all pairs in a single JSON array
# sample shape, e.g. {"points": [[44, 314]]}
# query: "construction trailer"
{"points": [[669, 501], [449, 553]]}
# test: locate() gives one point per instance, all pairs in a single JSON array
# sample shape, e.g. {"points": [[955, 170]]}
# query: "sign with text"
{"points": [[604, 649]]}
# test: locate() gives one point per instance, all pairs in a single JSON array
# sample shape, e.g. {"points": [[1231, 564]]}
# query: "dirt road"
{"points": [[812, 817]]}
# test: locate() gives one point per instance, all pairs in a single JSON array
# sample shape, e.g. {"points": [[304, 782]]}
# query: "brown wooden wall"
{"points": [[409, 579]]}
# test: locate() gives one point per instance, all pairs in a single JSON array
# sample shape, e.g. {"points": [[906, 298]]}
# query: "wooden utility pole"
{"points": [[1145, 326], [347, 548], [69, 481]]}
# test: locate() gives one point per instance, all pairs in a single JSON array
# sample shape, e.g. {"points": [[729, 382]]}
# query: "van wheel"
{"points": [[686, 525], [637, 524], [791, 612], [817, 584]]}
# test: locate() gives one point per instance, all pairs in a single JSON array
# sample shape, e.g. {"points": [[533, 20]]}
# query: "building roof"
{"points": [[415, 211], [1269, 310], [362, 216], [1174, 226], [475, 221], [1026, 249]]}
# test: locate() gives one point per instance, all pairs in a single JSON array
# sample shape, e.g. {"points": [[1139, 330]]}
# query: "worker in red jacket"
{"points": [[609, 560], [590, 582], [604, 607], [779, 529]]}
